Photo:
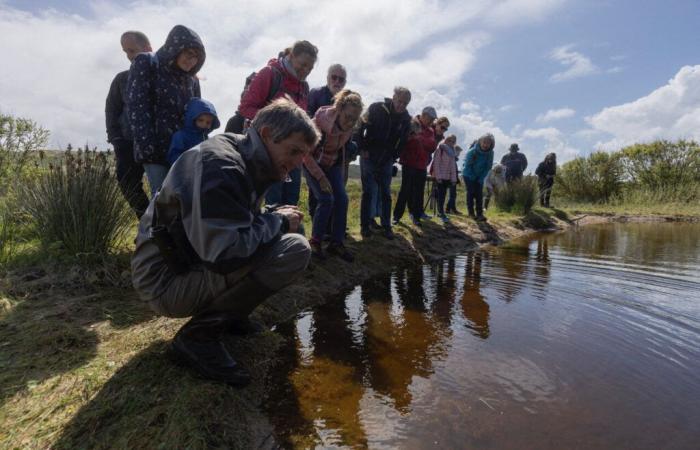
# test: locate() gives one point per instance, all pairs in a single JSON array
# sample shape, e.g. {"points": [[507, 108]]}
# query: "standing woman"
{"points": [[545, 172], [160, 85], [444, 170], [324, 172], [477, 164]]}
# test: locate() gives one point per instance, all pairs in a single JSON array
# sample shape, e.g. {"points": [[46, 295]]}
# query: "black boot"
{"points": [[198, 345], [238, 302]]}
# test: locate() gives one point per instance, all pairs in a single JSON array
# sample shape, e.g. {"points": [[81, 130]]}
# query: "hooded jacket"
{"points": [[418, 156], [320, 96], [158, 91], [191, 135], [546, 171], [477, 163], [332, 144], [214, 195], [443, 166], [385, 132], [516, 163], [256, 96], [494, 180]]}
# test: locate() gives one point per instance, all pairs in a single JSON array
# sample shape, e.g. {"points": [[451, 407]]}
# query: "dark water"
{"points": [[584, 339]]}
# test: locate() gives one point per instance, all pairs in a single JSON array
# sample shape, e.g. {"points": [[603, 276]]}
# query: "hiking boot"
{"points": [[197, 344], [246, 326], [366, 232], [480, 218], [339, 250], [374, 225], [317, 250], [389, 234]]}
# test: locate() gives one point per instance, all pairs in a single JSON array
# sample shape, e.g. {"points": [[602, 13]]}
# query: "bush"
{"points": [[517, 196], [662, 164], [596, 178], [18, 139], [76, 201]]}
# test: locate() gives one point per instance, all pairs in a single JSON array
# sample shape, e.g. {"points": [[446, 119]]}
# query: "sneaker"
{"points": [[480, 218], [389, 234], [317, 250], [444, 218], [339, 250]]}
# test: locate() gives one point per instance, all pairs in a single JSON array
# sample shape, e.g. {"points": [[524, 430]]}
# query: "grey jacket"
{"points": [[214, 193]]}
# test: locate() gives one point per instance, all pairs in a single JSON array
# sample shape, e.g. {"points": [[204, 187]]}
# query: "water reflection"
{"points": [[573, 335]]}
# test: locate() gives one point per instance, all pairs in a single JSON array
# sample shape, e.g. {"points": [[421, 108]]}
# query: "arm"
{"points": [[141, 104], [255, 98], [489, 164], [403, 137], [113, 109], [313, 168], [524, 162], [197, 88]]}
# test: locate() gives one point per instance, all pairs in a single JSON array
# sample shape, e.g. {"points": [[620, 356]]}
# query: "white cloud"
{"points": [[555, 114], [670, 112], [579, 65], [62, 64], [506, 108], [538, 142]]}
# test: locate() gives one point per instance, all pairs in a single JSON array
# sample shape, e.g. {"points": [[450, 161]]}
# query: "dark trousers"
{"points": [[285, 192], [331, 206], [130, 177], [379, 176], [411, 193], [452, 200], [545, 191], [475, 194], [442, 187]]}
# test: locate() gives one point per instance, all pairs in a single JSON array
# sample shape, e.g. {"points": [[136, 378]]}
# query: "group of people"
{"points": [[222, 230]]}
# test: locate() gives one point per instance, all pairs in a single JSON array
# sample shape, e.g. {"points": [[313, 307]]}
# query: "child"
{"points": [[495, 180], [444, 170], [200, 120]]}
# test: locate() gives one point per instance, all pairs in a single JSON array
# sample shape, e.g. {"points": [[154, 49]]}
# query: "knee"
{"points": [[297, 251]]}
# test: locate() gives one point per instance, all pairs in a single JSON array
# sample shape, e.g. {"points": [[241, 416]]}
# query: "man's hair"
{"points": [[401, 91], [335, 67], [285, 118], [443, 121], [138, 36], [307, 47], [346, 97]]}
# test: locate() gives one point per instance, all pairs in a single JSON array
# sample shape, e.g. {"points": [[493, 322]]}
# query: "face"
{"points": [[204, 121], [336, 80], [441, 127], [425, 119], [400, 102], [303, 64], [450, 142], [286, 154], [485, 143], [132, 47], [187, 59], [348, 117]]}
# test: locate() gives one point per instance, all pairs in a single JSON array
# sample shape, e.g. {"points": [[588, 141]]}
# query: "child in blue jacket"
{"points": [[200, 120], [477, 164]]}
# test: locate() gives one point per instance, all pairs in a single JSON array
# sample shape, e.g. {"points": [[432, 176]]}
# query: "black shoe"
{"points": [[243, 327], [317, 250], [472, 215], [339, 250], [366, 233], [197, 345], [374, 225], [389, 234], [456, 212], [480, 218]]}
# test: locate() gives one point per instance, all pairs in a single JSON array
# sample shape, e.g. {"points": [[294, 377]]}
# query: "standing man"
{"points": [[515, 163], [129, 172], [386, 130], [427, 138], [206, 250]]}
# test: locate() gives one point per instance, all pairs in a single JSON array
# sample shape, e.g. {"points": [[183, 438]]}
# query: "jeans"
{"points": [[330, 205], [156, 175], [375, 176], [285, 193], [474, 195], [411, 193], [130, 176]]}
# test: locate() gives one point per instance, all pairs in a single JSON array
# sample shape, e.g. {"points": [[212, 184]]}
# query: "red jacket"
{"points": [[417, 154], [255, 97]]}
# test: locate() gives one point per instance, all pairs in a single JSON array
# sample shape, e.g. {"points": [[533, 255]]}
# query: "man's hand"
{"points": [[325, 185], [293, 215]]}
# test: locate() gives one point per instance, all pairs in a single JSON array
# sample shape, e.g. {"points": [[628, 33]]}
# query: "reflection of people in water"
{"points": [[475, 309], [441, 306], [514, 262], [542, 267]]}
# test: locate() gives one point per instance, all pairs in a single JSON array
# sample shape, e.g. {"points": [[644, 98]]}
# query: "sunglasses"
{"points": [[338, 78]]}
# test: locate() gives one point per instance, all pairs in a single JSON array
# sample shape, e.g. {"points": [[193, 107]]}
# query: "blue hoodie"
{"points": [[191, 135], [477, 163]]}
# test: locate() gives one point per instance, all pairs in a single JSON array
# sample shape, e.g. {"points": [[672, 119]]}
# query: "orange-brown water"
{"points": [[583, 339]]}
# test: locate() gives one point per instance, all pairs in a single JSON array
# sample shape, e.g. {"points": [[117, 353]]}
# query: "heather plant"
{"points": [[518, 196], [74, 200]]}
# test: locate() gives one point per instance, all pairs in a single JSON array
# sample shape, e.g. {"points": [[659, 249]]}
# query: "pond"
{"points": [[588, 338]]}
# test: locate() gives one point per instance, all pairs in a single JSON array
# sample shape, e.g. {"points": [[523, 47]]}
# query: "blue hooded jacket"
{"points": [[157, 92], [477, 163], [191, 135]]}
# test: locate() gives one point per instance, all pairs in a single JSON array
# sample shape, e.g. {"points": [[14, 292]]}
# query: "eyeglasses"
{"points": [[338, 78]]}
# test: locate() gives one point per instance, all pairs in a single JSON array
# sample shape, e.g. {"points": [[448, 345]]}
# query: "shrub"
{"points": [[75, 200], [18, 139], [517, 196], [662, 164], [595, 178]]}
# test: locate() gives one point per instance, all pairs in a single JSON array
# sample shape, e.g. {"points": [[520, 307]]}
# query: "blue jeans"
{"points": [[285, 193], [329, 205], [156, 175], [375, 176]]}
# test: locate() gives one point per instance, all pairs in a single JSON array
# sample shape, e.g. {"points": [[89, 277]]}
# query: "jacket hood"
{"points": [[180, 38], [195, 108]]}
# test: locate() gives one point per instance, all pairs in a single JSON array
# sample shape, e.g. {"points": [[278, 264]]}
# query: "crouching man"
{"points": [[205, 248]]}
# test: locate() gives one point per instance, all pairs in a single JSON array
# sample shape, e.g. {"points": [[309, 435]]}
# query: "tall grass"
{"points": [[75, 201], [518, 196]]}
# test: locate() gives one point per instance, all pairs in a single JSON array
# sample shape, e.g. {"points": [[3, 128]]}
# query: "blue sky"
{"points": [[554, 75]]}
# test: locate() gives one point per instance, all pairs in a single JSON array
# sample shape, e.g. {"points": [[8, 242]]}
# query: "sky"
{"points": [[562, 76]]}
